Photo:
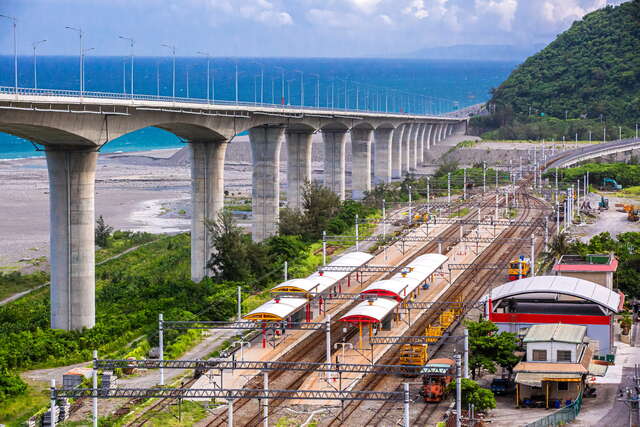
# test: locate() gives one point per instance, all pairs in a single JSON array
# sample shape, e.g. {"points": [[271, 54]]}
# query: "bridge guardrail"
{"points": [[9, 90]]}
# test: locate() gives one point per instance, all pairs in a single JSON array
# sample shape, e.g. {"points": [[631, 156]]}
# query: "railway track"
{"points": [[310, 349], [156, 407], [471, 285]]}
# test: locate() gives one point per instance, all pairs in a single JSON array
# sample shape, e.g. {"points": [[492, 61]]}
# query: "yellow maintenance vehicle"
{"points": [[519, 268]]}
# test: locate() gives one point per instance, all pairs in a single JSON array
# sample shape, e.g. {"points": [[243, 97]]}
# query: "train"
{"points": [[519, 268], [436, 376]]}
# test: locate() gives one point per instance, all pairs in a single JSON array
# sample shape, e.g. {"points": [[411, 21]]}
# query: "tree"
{"points": [[488, 348], [319, 206], [559, 245], [481, 398], [103, 231], [235, 256]]}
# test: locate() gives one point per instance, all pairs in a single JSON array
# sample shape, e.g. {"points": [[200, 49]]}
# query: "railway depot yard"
{"points": [[344, 343]]}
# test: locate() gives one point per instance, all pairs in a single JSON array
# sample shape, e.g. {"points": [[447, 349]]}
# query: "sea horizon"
{"points": [[442, 85]]}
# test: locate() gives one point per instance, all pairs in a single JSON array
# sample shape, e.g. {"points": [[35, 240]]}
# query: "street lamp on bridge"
{"points": [[172, 48], [80, 34], [131, 43], [14, 23], [208, 69], [35, 63]]}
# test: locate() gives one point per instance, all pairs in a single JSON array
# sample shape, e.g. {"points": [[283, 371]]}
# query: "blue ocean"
{"points": [[414, 85]]}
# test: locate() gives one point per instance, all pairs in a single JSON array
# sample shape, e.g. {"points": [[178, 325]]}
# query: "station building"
{"points": [[594, 268], [518, 305]]}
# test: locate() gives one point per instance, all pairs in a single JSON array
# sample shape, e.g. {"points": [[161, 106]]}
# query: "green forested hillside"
{"points": [[590, 70]]}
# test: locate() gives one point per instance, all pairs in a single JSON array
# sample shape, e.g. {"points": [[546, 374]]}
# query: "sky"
{"points": [[293, 28]]}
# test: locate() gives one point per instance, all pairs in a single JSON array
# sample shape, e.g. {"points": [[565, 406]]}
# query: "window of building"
{"points": [[539, 355], [563, 386], [564, 355]]}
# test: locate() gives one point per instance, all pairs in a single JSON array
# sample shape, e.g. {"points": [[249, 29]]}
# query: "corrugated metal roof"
{"points": [[556, 332], [370, 311], [550, 368], [559, 285], [535, 379]]}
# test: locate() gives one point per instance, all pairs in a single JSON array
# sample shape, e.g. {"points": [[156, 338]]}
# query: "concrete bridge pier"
{"points": [[72, 174], [434, 134], [360, 162], [207, 200], [413, 147], [335, 142], [382, 164], [406, 148], [298, 165], [396, 152], [265, 194], [420, 144], [426, 139], [441, 132]]}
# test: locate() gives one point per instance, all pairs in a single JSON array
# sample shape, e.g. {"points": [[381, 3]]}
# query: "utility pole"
{"points": [[428, 195], [239, 302], [458, 392], [466, 349], [410, 208], [464, 184], [484, 177], [161, 346], [94, 378], [449, 188]]}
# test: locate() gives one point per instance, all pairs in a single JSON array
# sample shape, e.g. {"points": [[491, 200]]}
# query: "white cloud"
{"points": [[504, 9], [417, 9], [386, 19], [330, 18], [366, 6], [262, 11]]}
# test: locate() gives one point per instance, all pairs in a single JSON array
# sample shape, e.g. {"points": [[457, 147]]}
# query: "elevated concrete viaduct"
{"points": [[73, 128]]}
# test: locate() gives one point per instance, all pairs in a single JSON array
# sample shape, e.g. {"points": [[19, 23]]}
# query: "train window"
{"points": [[539, 355]]}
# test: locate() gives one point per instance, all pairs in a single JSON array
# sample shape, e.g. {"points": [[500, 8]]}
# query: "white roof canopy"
{"points": [[272, 310], [316, 283], [370, 311], [401, 286], [564, 285]]}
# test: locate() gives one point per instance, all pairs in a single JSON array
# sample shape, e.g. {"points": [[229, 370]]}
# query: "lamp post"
{"points": [[301, 87], [35, 63], [80, 33], [172, 48], [208, 69], [131, 43], [317, 76], [84, 53], [281, 84], [14, 23]]}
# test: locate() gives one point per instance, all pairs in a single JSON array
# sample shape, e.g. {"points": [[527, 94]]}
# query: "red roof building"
{"points": [[594, 268]]}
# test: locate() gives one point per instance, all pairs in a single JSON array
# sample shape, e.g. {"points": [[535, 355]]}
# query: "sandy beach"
{"points": [[139, 191]]}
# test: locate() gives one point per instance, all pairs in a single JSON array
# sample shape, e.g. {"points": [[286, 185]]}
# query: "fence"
{"points": [[561, 417]]}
